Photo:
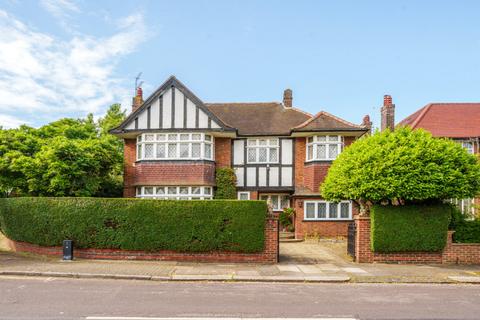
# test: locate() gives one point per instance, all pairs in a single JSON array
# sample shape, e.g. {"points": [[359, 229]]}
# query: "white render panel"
{"points": [[251, 177], [190, 114], [273, 177], [202, 119], [178, 109], [287, 151], [142, 119], [239, 173], [286, 177], [131, 125], [215, 125], [167, 109], [238, 151], [154, 112], [262, 177]]}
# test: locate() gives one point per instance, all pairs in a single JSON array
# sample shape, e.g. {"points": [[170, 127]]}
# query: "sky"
{"points": [[68, 58]]}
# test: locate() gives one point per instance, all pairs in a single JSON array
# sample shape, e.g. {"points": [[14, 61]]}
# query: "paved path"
{"points": [[32, 298], [305, 261]]}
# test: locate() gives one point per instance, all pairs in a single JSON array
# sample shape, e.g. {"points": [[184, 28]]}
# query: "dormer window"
{"points": [[175, 146], [323, 148]]}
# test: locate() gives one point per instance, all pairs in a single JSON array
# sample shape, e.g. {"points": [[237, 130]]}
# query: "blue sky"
{"points": [[66, 58]]}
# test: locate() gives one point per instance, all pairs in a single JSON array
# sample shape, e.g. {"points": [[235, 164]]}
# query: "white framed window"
{"points": [[278, 201], [175, 192], [243, 195], [325, 210], [175, 146], [323, 147], [263, 150], [467, 145], [466, 206]]}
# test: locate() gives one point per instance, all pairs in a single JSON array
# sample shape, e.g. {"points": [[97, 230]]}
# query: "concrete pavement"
{"points": [[54, 298]]}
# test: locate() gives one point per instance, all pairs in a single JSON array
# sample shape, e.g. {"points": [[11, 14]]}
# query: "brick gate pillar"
{"points": [[363, 252]]}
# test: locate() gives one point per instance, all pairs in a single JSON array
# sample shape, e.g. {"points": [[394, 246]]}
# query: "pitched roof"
{"points": [[267, 118], [452, 120], [324, 121]]}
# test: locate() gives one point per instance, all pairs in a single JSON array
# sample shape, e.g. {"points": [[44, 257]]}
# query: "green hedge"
{"points": [[226, 182], [410, 228], [466, 231], [136, 224]]}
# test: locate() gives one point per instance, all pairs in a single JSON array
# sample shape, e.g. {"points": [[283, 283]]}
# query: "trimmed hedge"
{"points": [[466, 231], [136, 224], [226, 182], [410, 228]]}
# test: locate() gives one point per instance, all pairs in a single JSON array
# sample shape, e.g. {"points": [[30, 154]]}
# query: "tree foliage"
{"points": [[400, 167], [68, 157], [226, 182]]}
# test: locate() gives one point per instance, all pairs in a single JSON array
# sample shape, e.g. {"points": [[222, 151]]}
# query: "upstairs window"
{"points": [[175, 146], [323, 148], [263, 150], [468, 145]]}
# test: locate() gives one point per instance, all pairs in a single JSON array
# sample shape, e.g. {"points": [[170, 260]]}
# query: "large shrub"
{"points": [[226, 181], [136, 224], [466, 231], [410, 228], [402, 166]]}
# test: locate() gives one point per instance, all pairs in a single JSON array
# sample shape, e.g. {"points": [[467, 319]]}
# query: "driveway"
{"points": [[323, 251]]}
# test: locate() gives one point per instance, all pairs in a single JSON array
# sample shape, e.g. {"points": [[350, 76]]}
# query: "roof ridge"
{"points": [[316, 116], [263, 103], [421, 115]]}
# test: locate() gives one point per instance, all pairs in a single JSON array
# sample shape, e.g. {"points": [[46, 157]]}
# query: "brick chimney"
{"points": [[137, 101], [366, 122], [287, 98], [388, 114]]}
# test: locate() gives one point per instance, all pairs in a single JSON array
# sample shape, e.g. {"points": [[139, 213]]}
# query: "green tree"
{"points": [[226, 183], [400, 167]]}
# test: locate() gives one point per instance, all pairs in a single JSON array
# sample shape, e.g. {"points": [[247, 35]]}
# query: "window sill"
{"points": [[319, 161], [327, 220], [174, 160]]}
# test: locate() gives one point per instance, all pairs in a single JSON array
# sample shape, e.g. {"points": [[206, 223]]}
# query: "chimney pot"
{"points": [[287, 98], [387, 100], [388, 114], [137, 101]]}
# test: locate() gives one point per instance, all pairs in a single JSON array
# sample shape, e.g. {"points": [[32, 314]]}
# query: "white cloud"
{"points": [[61, 10], [45, 77], [8, 122]]}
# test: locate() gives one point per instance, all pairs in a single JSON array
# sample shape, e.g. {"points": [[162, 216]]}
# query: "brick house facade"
{"points": [[457, 121], [174, 142]]}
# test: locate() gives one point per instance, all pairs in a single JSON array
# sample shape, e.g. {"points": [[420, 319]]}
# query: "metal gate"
{"points": [[351, 239]]}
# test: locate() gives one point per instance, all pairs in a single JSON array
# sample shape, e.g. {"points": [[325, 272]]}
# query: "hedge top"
{"points": [[402, 166]]}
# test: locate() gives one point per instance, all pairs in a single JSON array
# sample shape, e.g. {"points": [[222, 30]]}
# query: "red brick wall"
{"points": [[314, 175], [299, 161], [268, 255], [129, 157], [176, 173], [460, 253], [223, 152]]}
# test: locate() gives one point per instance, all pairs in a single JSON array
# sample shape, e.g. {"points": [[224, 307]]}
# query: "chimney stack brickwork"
{"points": [[288, 98], [388, 113], [137, 100]]}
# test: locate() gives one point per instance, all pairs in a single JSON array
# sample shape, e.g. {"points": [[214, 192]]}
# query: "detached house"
{"points": [[457, 121], [174, 142]]}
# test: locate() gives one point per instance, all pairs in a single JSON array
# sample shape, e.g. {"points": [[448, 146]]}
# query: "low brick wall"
{"points": [[459, 253], [268, 255]]}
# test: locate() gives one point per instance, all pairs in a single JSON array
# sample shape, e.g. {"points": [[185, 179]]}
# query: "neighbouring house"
{"points": [[174, 142], [457, 121]]}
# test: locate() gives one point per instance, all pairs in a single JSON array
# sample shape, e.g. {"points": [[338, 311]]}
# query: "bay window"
{"points": [[175, 192], [325, 210], [175, 146], [263, 150], [323, 147]]}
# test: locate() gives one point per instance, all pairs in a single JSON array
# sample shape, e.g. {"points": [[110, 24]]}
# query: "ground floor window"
{"points": [[325, 210], [244, 195], [278, 201], [466, 206], [175, 192]]}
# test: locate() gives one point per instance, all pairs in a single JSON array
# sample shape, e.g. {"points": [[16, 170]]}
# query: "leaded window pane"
{"points": [[172, 190], [172, 137], [160, 150], [208, 151], [207, 190], [262, 142], [196, 190], [251, 154], [183, 190], [333, 151], [273, 154], [172, 150], [149, 137], [262, 154], [309, 152], [161, 137], [333, 138], [252, 142], [196, 147], [196, 136], [139, 138], [333, 210], [148, 190], [321, 151], [285, 202], [139, 191], [148, 150], [322, 210], [208, 137], [275, 203], [243, 196], [160, 190], [310, 139], [183, 150], [139, 151], [310, 210], [344, 210], [184, 136], [273, 142], [321, 138]]}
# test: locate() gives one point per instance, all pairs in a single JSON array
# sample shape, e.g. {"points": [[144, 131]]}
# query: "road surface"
{"points": [[55, 298]]}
